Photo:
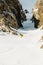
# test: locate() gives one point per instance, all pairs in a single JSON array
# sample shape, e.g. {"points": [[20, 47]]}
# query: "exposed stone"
{"points": [[11, 15], [38, 11]]}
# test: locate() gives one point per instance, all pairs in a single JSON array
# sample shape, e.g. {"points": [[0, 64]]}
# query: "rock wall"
{"points": [[13, 12], [38, 11]]}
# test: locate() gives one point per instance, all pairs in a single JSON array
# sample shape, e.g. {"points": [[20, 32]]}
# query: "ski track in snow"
{"points": [[15, 50]]}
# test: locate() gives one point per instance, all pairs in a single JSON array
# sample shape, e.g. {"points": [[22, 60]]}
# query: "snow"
{"points": [[17, 50]]}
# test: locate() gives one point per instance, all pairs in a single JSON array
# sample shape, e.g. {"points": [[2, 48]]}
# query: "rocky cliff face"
{"points": [[11, 14], [38, 11]]}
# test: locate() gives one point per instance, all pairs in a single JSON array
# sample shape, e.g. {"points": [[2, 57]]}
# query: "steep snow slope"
{"points": [[16, 50]]}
